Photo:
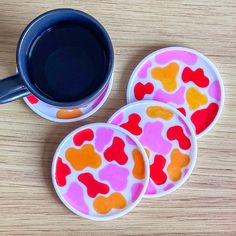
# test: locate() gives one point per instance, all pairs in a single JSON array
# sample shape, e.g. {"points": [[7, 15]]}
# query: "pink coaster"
{"points": [[183, 78], [97, 174], [168, 139]]}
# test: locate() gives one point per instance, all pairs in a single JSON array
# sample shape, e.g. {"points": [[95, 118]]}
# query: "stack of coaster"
{"points": [[148, 148]]}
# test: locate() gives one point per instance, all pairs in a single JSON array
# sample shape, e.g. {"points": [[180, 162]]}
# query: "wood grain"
{"points": [[205, 205]]}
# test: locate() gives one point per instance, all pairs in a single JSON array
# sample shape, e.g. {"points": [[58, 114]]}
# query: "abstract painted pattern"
{"points": [[66, 115], [168, 139], [97, 173], [182, 78]]}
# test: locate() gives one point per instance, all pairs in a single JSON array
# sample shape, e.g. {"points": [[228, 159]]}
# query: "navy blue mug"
{"points": [[64, 57]]}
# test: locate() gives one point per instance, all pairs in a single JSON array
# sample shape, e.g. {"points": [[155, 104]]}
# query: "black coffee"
{"points": [[68, 62]]}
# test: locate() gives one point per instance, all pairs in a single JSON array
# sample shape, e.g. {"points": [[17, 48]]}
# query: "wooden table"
{"points": [[206, 204]]}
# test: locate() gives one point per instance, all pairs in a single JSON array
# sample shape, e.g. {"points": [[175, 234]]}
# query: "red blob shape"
{"points": [[132, 125], [32, 99], [82, 136], [156, 170], [93, 186], [196, 77], [116, 152], [140, 90], [203, 118], [177, 133], [182, 110], [62, 170]]}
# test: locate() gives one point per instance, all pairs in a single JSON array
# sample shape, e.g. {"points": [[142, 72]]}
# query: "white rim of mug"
{"points": [[212, 65], [129, 208], [194, 139], [82, 117]]}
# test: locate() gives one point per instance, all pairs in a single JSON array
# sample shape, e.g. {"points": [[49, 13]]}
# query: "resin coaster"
{"points": [[183, 78], [100, 171], [168, 139], [55, 114]]}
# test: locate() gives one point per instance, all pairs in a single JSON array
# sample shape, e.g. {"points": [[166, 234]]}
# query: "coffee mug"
{"points": [[64, 58]]}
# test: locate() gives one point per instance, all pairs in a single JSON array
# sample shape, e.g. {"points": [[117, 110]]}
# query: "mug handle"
{"points": [[12, 88]]}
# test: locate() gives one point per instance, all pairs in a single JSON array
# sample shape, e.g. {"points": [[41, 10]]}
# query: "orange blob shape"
{"points": [[103, 205], [195, 98], [167, 76], [69, 114], [178, 161], [159, 112], [84, 157], [139, 167], [147, 152]]}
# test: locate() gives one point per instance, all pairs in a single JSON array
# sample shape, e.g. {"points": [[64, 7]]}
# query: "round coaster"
{"points": [[168, 139], [100, 171], [183, 78], [56, 114]]}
